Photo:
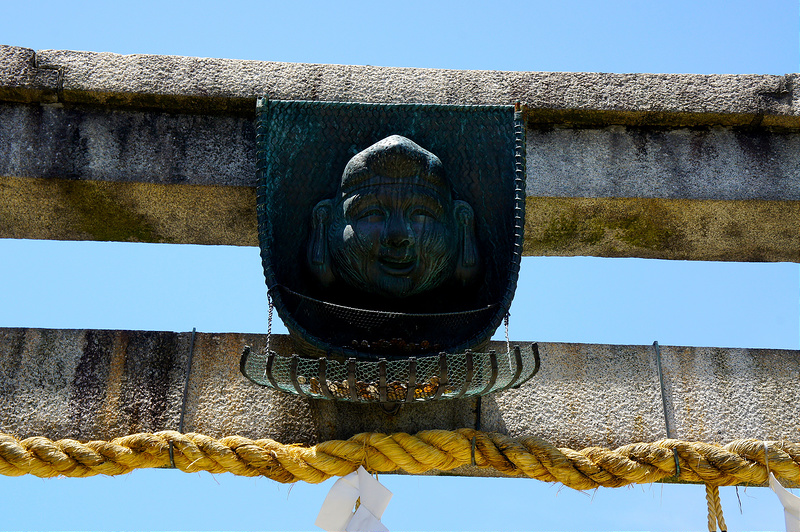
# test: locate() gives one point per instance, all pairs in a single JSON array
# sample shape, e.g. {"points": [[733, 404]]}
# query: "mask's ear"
{"points": [[468, 263], [318, 254]]}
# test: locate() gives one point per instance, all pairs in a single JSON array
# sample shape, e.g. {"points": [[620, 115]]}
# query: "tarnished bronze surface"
{"points": [[390, 230], [393, 229]]}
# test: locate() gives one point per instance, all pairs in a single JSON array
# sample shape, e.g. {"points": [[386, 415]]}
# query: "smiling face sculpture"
{"points": [[393, 229]]}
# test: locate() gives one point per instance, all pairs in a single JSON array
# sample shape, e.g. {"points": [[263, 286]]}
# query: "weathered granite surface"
{"points": [[714, 163], [138, 79], [95, 384], [112, 144], [203, 84], [745, 230], [22, 80]]}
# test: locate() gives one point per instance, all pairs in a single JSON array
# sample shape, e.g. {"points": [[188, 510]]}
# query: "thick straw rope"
{"points": [[738, 462], [715, 516]]}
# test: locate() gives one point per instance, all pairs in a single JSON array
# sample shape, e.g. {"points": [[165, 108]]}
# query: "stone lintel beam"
{"points": [[743, 231], [162, 149], [196, 84], [101, 384], [23, 80]]}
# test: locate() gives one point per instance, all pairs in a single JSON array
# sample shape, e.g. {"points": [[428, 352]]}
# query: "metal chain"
{"points": [[508, 342], [269, 321], [269, 328]]}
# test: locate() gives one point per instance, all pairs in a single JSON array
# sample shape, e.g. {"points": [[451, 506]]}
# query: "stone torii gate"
{"points": [[99, 146]]}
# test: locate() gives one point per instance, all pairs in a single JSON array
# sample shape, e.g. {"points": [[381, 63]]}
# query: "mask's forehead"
{"points": [[394, 157], [397, 195]]}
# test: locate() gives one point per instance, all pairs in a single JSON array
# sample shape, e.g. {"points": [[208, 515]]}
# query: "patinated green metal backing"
{"points": [[303, 148]]}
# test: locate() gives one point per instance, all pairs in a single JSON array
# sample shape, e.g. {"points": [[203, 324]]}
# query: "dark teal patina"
{"points": [[389, 231]]}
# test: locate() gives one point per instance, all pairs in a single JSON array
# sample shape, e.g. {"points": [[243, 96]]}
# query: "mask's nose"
{"points": [[397, 232]]}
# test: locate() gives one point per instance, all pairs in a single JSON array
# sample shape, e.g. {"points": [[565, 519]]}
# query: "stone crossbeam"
{"points": [[99, 146], [101, 384]]}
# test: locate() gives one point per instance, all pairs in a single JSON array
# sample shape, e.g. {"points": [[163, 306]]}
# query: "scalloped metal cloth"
{"points": [[351, 345]]}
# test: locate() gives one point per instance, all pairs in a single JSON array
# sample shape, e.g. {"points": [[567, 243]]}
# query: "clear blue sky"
{"points": [[621, 301]]}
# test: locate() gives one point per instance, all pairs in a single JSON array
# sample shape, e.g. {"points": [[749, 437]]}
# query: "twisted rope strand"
{"points": [[715, 517], [739, 462]]}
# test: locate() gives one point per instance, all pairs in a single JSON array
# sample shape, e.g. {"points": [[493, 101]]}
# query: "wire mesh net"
{"points": [[444, 376]]}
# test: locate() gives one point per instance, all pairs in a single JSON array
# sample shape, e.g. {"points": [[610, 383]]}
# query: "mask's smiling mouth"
{"points": [[397, 265]]}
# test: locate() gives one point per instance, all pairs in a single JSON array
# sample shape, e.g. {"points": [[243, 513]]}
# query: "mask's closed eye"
{"points": [[371, 215], [422, 215]]}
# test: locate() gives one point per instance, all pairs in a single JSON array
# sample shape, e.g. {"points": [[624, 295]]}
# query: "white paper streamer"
{"points": [[364, 521], [337, 509], [336, 514], [791, 504]]}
